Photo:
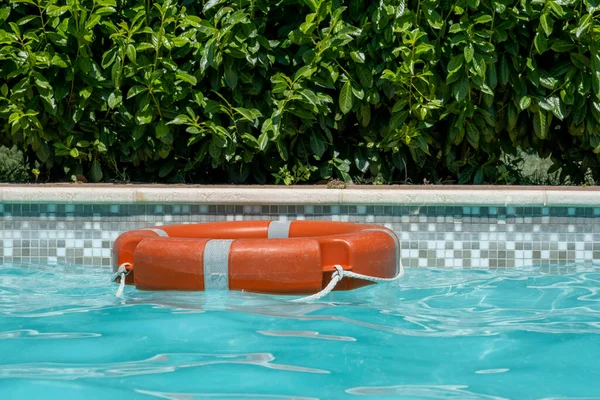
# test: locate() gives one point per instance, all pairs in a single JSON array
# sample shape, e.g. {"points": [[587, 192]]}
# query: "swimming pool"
{"points": [[439, 334]]}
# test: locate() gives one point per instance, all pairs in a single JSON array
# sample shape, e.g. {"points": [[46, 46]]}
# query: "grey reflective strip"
{"points": [[216, 264], [159, 232], [279, 229], [396, 243]]}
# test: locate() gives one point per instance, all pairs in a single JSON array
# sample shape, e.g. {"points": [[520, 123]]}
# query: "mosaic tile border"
{"points": [[431, 236]]}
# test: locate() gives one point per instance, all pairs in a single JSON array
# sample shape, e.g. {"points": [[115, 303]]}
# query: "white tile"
{"points": [[458, 244], [87, 252], [414, 227], [509, 245], [484, 263], [96, 252], [588, 255], [79, 243], [448, 254], [579, 254], [422, 262], [484, 245], [519, 254], [562, 245], [475, 254], [545, 254], [8, 251], [439, 254], [579, 245]]}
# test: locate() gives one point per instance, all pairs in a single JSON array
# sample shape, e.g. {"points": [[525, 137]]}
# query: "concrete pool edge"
{"points": [[542, 196]]}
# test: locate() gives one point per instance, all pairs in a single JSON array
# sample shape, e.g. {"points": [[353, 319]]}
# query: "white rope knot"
{"points": [[122, 272], [339, 271]]}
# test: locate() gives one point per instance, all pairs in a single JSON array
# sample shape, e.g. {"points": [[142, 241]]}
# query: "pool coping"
{"points": [[69, 193]]}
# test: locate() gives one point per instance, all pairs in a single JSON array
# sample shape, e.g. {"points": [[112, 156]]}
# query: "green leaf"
{"points": [[555, 105], [461, 89], [4, 90], [540, 124], [317, 144], [525, 102], [231, 75], [210, 4], [114, 99], [584, 25], [131, 53], [161, 130], [541, 43], [96, 171], [109, 57], [562, 46], [469, 52], [263, 140], [547, 23], [364, 75], [456, 63], [484, 19], [346, 98], [473, 134], [74, 152], [4, 13], [249, 114], [135, 90], [184, 76]]}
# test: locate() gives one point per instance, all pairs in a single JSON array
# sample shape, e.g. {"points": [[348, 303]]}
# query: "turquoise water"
{"points": [[437, 334]]}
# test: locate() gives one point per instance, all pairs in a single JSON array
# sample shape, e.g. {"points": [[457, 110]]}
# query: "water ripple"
{"points": [[158, 364], [423, 391], [232, 396], [33, 334]]}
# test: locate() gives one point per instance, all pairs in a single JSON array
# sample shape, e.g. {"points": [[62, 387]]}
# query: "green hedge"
{"points": [[291, 91]]}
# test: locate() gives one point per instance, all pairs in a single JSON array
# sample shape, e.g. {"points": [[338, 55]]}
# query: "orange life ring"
{"points": [[279, 257]]}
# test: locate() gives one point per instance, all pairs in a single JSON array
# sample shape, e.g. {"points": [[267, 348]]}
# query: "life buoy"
{"points": [[278, 257]]}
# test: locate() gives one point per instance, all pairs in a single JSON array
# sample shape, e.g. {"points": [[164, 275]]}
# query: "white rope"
{"points": [[340, 273], [122, 272]]}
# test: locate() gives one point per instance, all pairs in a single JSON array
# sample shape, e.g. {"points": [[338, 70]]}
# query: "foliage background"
{"points": [[292, 91]]}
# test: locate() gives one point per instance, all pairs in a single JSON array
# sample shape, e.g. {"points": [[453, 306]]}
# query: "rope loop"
{"points": [[122, 272], [340, 273]]}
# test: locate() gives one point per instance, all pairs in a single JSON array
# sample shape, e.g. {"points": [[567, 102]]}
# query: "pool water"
{"points": [[437, 334]]}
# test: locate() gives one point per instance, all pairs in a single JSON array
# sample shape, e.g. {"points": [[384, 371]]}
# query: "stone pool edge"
{"points": [[545, 196]]}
